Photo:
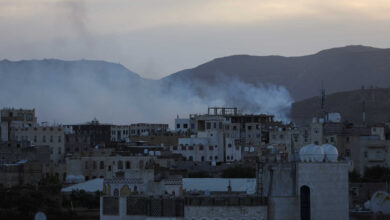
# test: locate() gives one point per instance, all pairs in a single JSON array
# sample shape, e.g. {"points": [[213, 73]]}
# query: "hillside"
{"points": [[340, 69], [375, 101]]}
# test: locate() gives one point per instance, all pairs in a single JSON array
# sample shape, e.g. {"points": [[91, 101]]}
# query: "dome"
{"points": [[331, 153]]}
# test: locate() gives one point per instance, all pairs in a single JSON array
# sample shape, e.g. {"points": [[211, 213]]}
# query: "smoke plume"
{"points": [[78, 91]]}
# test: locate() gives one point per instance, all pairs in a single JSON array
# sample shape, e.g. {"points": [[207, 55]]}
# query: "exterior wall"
{"points": [[182, 124], [99, 134], [225, 212], [208, 146], [283, 208], [120, 133], [328, 183], [53, 136], [75, 143], [20, 173], [374, 153], [146, 129], [11, 117], [316, 133], [105, 166]]}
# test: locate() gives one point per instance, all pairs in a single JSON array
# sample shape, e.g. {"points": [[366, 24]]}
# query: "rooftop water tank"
{"points": [[331, 153], [311, 153]]}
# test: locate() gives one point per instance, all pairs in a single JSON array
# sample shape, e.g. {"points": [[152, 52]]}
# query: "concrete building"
{"points": [[148, 129], [209, 146], [11, 117], [53, 136], [99, 134], [20, 173], [104, 164], [246, 129], [120, 133], [314, 188]]}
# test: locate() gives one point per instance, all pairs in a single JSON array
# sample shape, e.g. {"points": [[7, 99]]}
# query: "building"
{"points": [[20, 173], [247, 129], [147, 129], [314, 187], [53, 136], [11, 117], [120, 133], [99, 134], [209, 146]]}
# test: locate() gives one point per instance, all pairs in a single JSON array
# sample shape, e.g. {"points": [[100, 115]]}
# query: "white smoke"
{"points": [[77, 95]]}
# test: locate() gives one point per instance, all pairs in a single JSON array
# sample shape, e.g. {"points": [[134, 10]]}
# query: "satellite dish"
{"points": [[40, 216]]}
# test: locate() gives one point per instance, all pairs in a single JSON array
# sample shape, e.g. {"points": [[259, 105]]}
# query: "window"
{"points": [[192, 126], [211, 148], [211, 158], [59, 139], [281, 136], [332, 139], [35, 138], [94, 165], [86, 165], [202, 158], [227, 157], [185, 125], [365, 154], [208, 125], [59, 151], [120, 165], [216, 157], [229, 145], [191, 148], [51, 139], [178, 126], [101, 165], [347, 152], [347, 140], [201, 147], [234, 128], [51, 150], [249, 127], [44, 139], [220, 125], [128, 165]]}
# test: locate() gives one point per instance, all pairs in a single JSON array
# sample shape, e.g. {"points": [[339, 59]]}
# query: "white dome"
{"points": [[331, 153]]}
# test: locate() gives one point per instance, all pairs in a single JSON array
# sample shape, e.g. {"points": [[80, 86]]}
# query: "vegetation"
{"points": [[23, 202], [376, 174], [371, 174], [239, 172]]}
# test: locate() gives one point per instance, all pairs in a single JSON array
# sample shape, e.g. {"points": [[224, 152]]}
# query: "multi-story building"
{"points": [[221, 134], [99, 134], [11, 117], [53, 136], [120, 133], [209, 146], [103, 164], [147, 129]]}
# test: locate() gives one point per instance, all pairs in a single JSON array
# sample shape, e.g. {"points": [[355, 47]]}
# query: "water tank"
{"points": [[151, 153], [331, 153], [158, 153], [246, 149], [145, 151], [311, 153], [317, 154]]}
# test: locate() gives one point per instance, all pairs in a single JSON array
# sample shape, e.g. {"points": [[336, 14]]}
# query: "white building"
{"points": [[209, 146]]}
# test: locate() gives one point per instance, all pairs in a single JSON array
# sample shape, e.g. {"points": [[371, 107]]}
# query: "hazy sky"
{"points": [[157, 37]]}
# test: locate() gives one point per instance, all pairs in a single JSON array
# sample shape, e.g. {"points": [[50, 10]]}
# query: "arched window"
{"points": [[116, 192], [305, 203]]}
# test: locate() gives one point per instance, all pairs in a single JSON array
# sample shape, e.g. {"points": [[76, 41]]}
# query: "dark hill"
{"points": [[340, 69], [375, 101]]}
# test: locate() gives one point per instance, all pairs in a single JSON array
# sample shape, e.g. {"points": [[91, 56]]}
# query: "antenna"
{"points": [[322, 96]]}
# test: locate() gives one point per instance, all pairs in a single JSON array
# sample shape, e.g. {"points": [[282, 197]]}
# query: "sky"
{"points": [[155, 38]]}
